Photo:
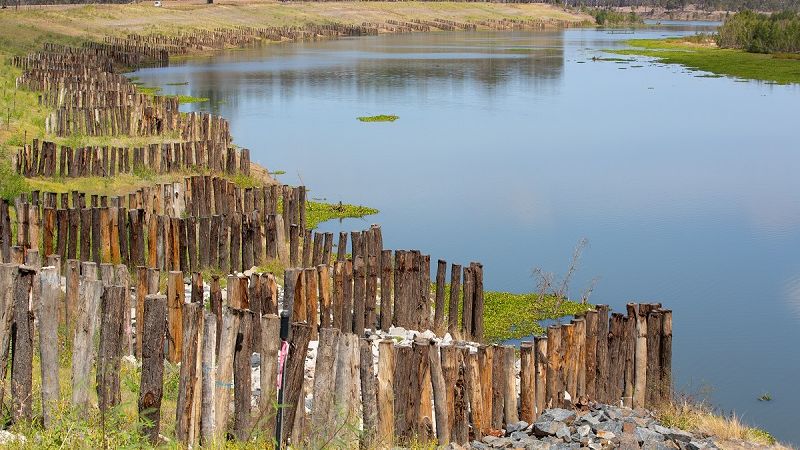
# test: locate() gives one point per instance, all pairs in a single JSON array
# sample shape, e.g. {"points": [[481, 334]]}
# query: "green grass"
{"points": [[514, 316], [318, 212], [379, 118], [182, 99], [728, 62]]}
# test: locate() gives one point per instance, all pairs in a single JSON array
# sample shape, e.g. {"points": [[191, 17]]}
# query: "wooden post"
{"points": [[187, 426], [341, 248], [86, 322], [555, 383], [338, 294], [460, 430], [152, 350], [616, 357], [440, 388], [527, 382], [665, 357], [293, 376], [72, 276], [48, 340], [348, 389], [455, 293], [359, 295], [22, 347], [510, 386], [386, 368], [466, 305], [540, 376], [347, 297], [449, 358], [8, 282], [640, 361], [242, 377], [477, 302], [386, 290], [369, 399], [323, 410], [475, 393], [602, 354], [570, 363], [224, 387], [270, 346], [652, 385], [208, 378], [486, 364], [109, 353], [312, 300], [580, 359], [176, 294], [324, 281], [438, 311], [591, 354]]}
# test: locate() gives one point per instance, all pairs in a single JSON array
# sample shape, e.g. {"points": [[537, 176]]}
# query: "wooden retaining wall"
{"points": [[373, 393]]}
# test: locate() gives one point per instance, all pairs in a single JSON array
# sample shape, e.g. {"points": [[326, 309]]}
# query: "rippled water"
{"points": [[510, 147]]}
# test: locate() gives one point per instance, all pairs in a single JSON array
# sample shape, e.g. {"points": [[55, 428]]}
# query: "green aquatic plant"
{"points": [[380, 118]]}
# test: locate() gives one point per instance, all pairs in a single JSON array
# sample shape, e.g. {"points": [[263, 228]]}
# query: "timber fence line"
{"points": [[364, 390], [48, 160]]}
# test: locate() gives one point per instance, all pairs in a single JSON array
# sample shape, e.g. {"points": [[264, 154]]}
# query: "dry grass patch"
{"points": [[700, 418]]}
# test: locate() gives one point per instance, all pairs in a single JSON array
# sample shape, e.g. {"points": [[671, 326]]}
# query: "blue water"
{"points": [[510, 147]]}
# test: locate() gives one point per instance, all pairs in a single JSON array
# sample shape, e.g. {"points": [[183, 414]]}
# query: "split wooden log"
{"points": [[665, 357], [486, 364], [540, 376], [347, 399], [152, 379], [224, 385], [176, 298], [475, 393], [591, 354], [293, 377], [602, 354], [652, 385], [438, 311], [270, 346], [48, 340], [8, 282], [208, 376], [439, 395], [242, 377], [109, 352], [455, 294], [187, 421], [554, 379], [386, 290], [386, 369], [323, 411], [527, 382], [22, 346], [324, 282], [640, 361], [369, 399]]}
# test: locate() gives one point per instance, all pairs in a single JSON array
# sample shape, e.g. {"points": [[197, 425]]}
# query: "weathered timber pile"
{"points": [[599, 427]]}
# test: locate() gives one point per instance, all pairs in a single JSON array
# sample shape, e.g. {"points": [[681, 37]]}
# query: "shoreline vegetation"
{"points": [[508, 316], [747, 46]]}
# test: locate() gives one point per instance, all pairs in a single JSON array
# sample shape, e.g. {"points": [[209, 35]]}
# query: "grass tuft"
{"points": [[379, 118]]}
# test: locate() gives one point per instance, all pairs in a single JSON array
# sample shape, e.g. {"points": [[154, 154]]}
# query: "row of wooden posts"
{"points": [[412, 392], [50, 161]]}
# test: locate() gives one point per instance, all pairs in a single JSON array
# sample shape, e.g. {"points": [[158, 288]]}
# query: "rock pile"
{"points": [[601, 427]]}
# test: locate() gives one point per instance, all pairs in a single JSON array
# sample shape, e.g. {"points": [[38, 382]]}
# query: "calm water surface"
{"points": [[510, 147]]}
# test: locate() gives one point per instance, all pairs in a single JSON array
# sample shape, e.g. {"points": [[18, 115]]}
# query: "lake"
{"points": [[511, 147]]}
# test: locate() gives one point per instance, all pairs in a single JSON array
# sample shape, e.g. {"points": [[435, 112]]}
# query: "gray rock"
{"points": [[489, 439], [501, 443], [558, 414], [678, 435], [478, 445], [564, 434], [701, 444], [595, 446], [611, 426], [537, 445], [519, 435], [255, 360], [655, 445], [583, 431], [565, 446], [542, 428], [647, 435], [592, 419], [512, 427], [660, 429]]}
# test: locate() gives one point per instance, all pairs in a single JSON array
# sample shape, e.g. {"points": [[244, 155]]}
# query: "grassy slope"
{"points": [[734, 63]]}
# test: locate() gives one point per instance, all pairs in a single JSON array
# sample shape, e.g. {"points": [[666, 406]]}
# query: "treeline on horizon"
{"points": [[706, 5], [761, 33]]}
